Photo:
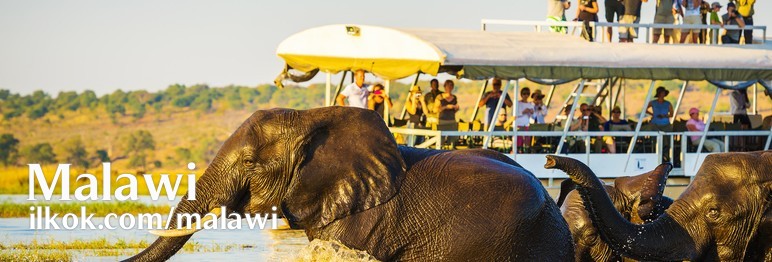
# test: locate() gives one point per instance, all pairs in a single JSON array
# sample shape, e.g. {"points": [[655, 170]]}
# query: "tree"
{"points": [[41, 153], [137, 146], [8, 149], [74, 152]]}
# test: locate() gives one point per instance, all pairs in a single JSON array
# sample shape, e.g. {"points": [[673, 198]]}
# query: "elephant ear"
{"points": [[647, 188], [348, 162]]}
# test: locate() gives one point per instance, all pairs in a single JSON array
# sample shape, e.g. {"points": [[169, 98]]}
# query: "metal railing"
{"points": [[539, 25]]}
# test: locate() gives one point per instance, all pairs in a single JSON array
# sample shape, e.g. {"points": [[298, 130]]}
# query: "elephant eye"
{"points": [[248, 162], [713, 213]]}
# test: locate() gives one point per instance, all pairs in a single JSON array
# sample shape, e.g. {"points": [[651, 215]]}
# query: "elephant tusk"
{"points": [[184, 231]]}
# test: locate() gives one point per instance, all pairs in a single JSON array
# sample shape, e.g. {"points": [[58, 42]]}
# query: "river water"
{"points": [[215, 244]]}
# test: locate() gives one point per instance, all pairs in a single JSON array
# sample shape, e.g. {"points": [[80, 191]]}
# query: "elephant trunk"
{"points": [[172, 239], [663, 239], [165, 247]]}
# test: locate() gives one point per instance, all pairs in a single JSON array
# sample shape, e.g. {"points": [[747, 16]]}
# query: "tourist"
{"points": [[355, 93], [556, 12], [491, 99], [661, 111], [447, 106], [587, 12], [415, 107], [732, 17], [616, 123], [590, 121], [715, 19], [614, 8], [378, 99], [692, 16], [745, 8], [696, 125], [523, 117], [632, 16], [664, 14], [539, 109], [738, 107], [431, 113]]}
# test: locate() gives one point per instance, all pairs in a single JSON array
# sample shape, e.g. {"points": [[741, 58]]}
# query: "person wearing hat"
{"points": [[732, 17], [415, 106], [696, 125], [661, 111], [714, 19]]}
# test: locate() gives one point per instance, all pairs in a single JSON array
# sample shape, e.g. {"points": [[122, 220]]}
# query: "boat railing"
{"points": [[540, 26]]}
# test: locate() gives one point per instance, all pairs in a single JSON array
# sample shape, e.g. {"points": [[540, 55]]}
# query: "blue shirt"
{"points": [[661, 111]]}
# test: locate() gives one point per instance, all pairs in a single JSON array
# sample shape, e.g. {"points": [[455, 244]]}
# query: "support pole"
{"points": [[707, 127], [640, 123], [496, 113], [678, 103], [386, 106], [769, 139], [337, 90], [514, 121], [327, 90], [549, 96], [477, 103], [404, 106], [755, 99], [570, 116]]}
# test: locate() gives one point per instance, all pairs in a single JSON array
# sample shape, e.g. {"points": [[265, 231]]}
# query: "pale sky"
{"points": [[103, 45]]}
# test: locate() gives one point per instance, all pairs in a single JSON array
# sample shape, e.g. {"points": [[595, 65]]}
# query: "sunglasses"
{"points": [[496, 84], [616, 112]]}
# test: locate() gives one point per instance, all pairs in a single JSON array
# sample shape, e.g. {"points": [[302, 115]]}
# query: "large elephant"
{"points": [[338, 174], [724, 214], [638, 198]]}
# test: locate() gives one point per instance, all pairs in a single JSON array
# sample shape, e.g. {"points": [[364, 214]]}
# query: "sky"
{"points": [[100, 45]]}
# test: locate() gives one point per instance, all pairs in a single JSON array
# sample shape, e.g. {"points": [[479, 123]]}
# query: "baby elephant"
{"points": [[638, 198]]}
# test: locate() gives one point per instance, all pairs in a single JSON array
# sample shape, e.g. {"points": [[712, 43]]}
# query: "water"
{"points": [[216, 245]]}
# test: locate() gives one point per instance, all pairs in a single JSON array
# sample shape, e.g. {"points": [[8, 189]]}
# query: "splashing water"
{"points": [[333, 251]]}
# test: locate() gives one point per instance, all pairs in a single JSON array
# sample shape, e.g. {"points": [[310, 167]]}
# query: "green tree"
{"points": [[74, 152], [41, 153], [8, 148], [137, 146]]}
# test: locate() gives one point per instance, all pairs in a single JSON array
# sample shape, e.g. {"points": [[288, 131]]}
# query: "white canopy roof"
{"points": [[398, 53]]}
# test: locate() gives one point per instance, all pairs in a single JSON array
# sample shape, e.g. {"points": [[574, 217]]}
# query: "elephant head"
{"points": [[638, 198], [717, 217], [314, 166]]}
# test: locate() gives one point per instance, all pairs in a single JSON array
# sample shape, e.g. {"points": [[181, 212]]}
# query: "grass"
{"points": [[99, 209], [53, 250]]}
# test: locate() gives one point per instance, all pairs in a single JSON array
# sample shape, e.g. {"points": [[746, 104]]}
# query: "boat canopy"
{"points": [[393, 53]]}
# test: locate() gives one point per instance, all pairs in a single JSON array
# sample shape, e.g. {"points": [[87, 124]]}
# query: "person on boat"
{"points": [[632, 16], [661, 111], [692, 16], [696, 125], [556, 12], [590, 121], [613, 8], [745, 9], [616, 123], [355, 93], [378, 99], [714, 19], [738, 107], [491, 99], [415, 106], [431, 113], [447, 106], [539, 109], [664, 15], [732, 17], [523, 117], [587, 12]]}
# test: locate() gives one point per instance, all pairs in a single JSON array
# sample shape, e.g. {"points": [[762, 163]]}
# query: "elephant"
{"points": [[338, 174], [723, 215], [638, 198]]}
